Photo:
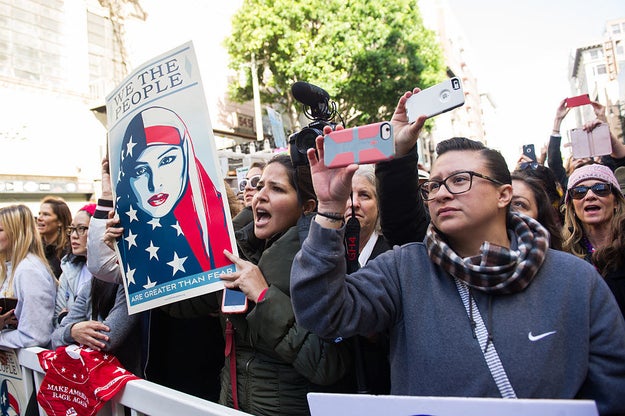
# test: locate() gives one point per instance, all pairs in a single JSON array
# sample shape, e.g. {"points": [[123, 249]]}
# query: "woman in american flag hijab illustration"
{"points": [[175, 224]]}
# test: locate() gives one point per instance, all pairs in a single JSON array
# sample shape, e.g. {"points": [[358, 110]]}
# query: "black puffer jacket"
{"points": [[278, 362]]}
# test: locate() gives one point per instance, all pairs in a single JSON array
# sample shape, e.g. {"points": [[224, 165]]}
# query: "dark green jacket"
{"points": [[278, 362]]}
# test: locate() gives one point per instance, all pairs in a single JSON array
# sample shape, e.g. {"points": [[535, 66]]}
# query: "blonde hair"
{"points": [[23, 239]]}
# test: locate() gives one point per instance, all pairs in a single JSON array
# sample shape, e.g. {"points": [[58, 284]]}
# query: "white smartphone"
{"points": [[233, 301], [435, 100], [595, 143]]}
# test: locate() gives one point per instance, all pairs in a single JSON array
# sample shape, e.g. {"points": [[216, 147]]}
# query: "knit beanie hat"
{"points": [[595, 171]]}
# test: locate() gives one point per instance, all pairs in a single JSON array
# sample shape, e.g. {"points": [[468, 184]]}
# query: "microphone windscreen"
{"points": [[309, 94]]}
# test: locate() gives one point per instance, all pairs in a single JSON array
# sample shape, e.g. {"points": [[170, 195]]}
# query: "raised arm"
{"points": [[554, 153], [322, 299], [403, 214], [102, 260]]}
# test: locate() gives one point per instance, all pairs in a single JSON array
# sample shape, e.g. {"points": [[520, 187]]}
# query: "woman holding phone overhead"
{"points": [[485, 305], [248, 186]]}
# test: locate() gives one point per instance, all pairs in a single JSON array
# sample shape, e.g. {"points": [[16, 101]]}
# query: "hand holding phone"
{"points": [[233, 301], [530, 151], [597, 142], [578, 100], [435, 100], [365, 144]]}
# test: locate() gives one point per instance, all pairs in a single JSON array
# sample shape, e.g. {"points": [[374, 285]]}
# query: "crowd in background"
{"points": [[450, 267]]}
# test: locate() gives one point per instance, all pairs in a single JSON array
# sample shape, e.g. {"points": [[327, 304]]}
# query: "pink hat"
{"points": [[89, 208], [595, 171]]}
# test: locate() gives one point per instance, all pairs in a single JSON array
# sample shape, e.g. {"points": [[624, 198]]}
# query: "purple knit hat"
{"points": [[595, 171]]}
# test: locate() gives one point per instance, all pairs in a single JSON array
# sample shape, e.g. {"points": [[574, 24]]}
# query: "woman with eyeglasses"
{"points": [[594, 225], [74, 265], [89, 311], [484, 305], [25, 275], [248, 187], [234, 203]]}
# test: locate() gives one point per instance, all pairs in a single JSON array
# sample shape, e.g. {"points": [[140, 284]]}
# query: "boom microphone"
{"points": [[309, 94]]}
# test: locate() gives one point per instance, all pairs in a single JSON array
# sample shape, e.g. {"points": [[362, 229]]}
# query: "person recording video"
{"points": [[486, 305]]}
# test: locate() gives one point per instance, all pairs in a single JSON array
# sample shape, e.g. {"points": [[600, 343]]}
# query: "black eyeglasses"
{"points": [[528, 165], [253, 182], [458, 183], [599, 189], [80, 230]]}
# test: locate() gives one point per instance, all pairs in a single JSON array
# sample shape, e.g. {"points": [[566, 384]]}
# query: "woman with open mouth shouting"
{"points": [[594, 224], [277, 361]]}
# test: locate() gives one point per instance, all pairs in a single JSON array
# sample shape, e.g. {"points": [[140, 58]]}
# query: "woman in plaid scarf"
{"points": [[482, 307]]}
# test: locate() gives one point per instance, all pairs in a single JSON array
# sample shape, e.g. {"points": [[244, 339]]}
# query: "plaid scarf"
{"points": [[496, 270]]}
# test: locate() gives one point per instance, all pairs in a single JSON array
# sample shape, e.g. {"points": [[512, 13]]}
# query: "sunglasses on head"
{"points": [[253, 182], [599, 189], [528, 165]]}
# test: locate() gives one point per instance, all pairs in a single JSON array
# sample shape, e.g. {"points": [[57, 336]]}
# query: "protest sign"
{"points": [[169, 191], [13, 399]]}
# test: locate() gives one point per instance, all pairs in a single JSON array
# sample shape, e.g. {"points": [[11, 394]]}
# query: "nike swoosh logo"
{"points": [[534, 338]]}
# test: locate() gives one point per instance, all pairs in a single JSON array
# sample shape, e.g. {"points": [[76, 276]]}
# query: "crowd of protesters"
{"points": [[470, 280]]}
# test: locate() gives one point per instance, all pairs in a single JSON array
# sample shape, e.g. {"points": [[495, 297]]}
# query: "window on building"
{"points": [[31, 42], [616, 29], [104, 63], [594, 53], [600, 69]]}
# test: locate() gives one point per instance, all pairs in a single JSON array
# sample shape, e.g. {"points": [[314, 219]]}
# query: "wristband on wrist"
{"points": [[262, 295], [61, 316], [332, 216], [102, 208]]}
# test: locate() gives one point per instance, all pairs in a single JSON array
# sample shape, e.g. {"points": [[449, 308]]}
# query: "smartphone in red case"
{"points": [[362, 145], [577, 101]]}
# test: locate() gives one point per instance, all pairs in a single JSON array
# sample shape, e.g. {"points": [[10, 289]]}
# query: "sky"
{"points": [[520, 52]]}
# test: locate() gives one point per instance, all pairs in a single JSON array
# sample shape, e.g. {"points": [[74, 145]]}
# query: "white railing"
{"points": [[141, 396]]}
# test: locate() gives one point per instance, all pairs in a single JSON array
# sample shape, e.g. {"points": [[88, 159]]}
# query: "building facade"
{"points": [[58, 61], [50, 54], [598, 69], [468, 120]]}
